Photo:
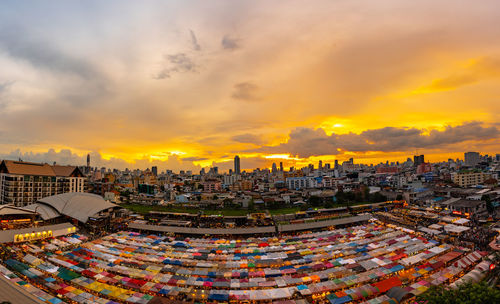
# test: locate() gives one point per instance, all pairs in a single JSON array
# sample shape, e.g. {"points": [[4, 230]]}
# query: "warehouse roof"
{"points": [[77, 205]]}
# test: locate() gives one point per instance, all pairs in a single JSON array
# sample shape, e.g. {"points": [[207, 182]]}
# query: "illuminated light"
{"points": [[177, 153], [492, 266], [281, 156]]}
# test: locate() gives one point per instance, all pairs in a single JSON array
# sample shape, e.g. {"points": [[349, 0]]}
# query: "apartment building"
{"points": [[23, 183], [305, 182], [468, 179]]}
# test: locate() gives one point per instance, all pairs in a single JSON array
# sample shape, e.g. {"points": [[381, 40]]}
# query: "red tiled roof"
{"points": [[27, 168]]}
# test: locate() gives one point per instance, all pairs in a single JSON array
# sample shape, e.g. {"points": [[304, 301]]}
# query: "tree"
{"points": [[251, 205], [315, 201], [489, 204], [468, 293], [228, 203], [490, 207]]}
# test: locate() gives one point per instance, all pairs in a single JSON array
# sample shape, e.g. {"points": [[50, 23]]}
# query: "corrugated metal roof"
{"points": [[46, 212], [11, 210], [77, 205]]}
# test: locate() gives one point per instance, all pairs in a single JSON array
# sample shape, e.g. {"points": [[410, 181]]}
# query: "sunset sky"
{"points": [[190, 84]]}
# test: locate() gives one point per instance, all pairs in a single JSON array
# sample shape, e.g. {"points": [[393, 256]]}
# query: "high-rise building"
{"points": [[87, 168], [237, 168], [471, 158], [274, 168], [154, 169], [336, 166], [320, 165], [23, 183], [281, 165], [418, 160]]}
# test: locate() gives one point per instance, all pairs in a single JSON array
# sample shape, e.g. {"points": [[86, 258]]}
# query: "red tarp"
{"points": [[445, 258], [385, 285]]}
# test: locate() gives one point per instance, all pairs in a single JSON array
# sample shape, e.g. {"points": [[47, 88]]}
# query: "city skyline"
{"points": [[192, 84], [468, 159]]}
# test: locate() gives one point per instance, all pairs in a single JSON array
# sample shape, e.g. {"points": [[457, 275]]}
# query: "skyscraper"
{"points": [[237, 169], [274, 169], [281, 166], [154, 169], [471, 158], [87, 169], [418, 159]]}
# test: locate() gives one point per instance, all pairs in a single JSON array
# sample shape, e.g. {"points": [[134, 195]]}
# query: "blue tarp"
{"points": [[397, 268], [218, 297], [342, 300]]}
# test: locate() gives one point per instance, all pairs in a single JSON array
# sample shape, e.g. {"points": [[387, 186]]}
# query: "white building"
{"points": [[301, 182]]}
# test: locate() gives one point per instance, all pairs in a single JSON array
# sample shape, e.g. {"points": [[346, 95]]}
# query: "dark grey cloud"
{"points": [[247, 138], [43, 55], [194, 41], [176, 63], [306, 142], [80, 81], [192, 159], [229, 43], [246, 91]]}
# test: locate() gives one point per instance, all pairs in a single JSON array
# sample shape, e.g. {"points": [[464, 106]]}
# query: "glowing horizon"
{"points": [[186, 85]]}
